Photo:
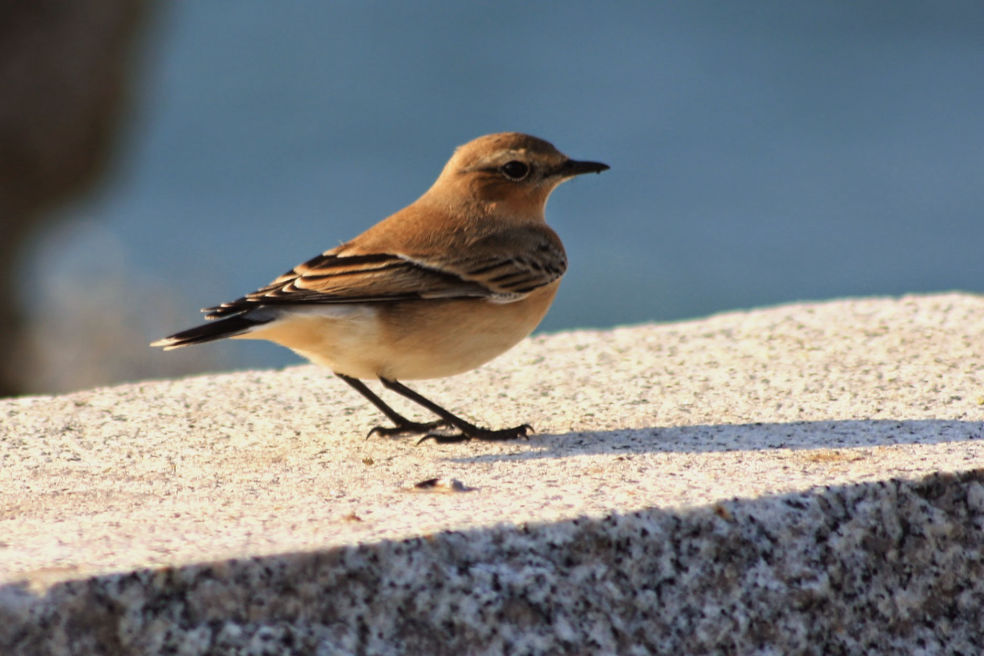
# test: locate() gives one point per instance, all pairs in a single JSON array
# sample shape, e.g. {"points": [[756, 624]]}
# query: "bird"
{"points": [[444, 285]]}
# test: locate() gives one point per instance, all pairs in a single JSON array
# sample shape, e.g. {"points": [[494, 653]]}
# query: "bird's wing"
{"points": [[511, 263], [501, 267]]}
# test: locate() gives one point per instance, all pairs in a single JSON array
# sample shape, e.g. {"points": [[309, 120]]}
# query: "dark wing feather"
{"points": [[503, 267], [331, 278]]}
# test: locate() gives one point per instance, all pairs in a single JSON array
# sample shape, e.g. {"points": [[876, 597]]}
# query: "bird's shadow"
{"points": [[708, 438]]}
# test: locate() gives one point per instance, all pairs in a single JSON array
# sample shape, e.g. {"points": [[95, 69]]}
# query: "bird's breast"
{"points": [[443, 338]]}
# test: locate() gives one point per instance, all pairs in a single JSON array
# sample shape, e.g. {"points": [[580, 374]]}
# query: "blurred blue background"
{"points": [[761, 152]]}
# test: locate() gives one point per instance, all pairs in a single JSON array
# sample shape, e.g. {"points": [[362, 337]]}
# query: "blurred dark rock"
{"points": [[64, 79]]}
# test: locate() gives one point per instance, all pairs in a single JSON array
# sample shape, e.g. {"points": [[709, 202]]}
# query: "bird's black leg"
{"points": [[468, 430], [401, 424]]}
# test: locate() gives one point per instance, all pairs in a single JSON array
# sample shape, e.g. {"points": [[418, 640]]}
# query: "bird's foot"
{"points": [[408, 427], [478, 433]]}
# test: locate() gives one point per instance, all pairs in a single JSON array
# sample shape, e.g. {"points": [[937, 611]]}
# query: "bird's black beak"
{"points": [[572, 167]]}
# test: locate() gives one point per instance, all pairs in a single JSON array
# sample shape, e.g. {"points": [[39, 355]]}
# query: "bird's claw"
{"points": [[477, 433], [409, 427]]}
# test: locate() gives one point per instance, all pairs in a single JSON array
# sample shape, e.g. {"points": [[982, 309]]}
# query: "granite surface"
{"points": [[798, 479]]}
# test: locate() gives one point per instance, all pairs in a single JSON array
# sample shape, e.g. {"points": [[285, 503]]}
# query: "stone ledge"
{"points": [[873, 568], [755, 482]]}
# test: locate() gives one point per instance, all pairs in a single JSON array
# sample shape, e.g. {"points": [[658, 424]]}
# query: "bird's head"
{"points": [[508, 172]]}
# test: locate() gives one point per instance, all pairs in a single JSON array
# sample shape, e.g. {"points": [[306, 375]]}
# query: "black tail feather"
{"points": [[211, 331]]}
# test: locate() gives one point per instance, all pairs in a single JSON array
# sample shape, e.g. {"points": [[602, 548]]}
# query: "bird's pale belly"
{"points": [[408, 340]]}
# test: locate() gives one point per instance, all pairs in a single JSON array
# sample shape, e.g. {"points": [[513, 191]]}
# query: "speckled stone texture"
{"points": [[804, 479], [888, 567]]}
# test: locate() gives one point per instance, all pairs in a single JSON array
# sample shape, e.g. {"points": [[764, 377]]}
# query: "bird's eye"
{"points": [[515, 170]]}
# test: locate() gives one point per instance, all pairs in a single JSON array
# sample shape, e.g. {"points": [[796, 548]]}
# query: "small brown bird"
{"points": [[439, 288]]}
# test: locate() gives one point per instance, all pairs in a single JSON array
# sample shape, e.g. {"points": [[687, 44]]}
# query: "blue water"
{"points": [[761, 152]]}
